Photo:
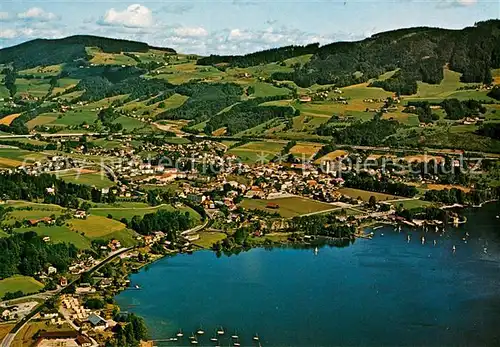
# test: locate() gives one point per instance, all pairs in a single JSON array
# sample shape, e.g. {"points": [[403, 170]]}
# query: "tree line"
{"points": [[27, 254]]}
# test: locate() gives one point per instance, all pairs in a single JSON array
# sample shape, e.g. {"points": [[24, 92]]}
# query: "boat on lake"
{"points": [[220, 331], [180, 334]]}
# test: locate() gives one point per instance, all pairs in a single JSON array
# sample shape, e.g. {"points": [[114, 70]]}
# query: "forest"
{"points": [[367, 182], [27, 254], [169, 222], [418, 53], [204, 101], [258, 58], [370, 133], [246, 115], [20, 186], [490, 129], [456, 109], [458, 196]]}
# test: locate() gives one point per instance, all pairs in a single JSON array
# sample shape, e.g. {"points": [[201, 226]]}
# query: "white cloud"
{"points": [[456, 3], [134, 16], [191, 32], [467, 2], [8, 34], [37, 14]]}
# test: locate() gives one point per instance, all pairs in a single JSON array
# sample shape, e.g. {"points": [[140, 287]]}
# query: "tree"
{"points": [[372, 202]]}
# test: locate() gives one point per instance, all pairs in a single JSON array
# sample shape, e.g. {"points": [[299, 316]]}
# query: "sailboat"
{"points": [[316, 251], [180, 334], [200, 331], [220, 331], [214, 338], [256, 337], [194, 340], [234, 336]]}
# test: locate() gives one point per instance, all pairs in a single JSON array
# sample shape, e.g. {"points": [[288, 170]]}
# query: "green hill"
{"points": [[43, 52]]}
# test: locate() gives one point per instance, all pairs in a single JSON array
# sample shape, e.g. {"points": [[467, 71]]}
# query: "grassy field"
{"points": [[33, 87], [128, 213], [92, 179], [37, 212], [409, 204], [288, 207], [10, 158], [307, 149], [257, 152], [59, 234], [265, 89], [95, 227], [365, 195], [22, 283], [208, 238]]}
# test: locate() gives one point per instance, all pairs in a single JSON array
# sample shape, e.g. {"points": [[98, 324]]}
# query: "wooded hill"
{"points": [[418, 53], [43, 52]]}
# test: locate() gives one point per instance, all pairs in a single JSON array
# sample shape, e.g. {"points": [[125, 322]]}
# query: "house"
{"points": [[35, 222], [80, 214], [51, 270], [46, 239], [272, 206], [6, 314], [97, 322], [63, 282], [305, 98], [83, 341], [114, 245]]}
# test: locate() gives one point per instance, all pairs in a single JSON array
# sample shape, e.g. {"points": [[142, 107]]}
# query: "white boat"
{"points": [[256, 337], [235, 336], [200, 331], [173, 339], [213, 339], [220, 331], [236, 344], [180, 334], [137, 286], [316, 251]]}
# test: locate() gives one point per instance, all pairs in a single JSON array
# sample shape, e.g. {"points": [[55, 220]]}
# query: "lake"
{"points": [[385, 291]]}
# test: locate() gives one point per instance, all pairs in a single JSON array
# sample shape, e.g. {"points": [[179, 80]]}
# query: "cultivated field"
{"points": [[365, 195], [23, 283], [288, 207]]}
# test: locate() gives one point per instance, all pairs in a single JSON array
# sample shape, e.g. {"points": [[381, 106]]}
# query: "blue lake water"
{"points": [[380, 292]]}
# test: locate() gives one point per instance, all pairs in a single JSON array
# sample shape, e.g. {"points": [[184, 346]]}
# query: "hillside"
{"points": [[51, 52], [418, 53], [409, 88]]}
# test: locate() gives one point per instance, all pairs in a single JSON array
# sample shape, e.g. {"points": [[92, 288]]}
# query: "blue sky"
{"points": [[232, 26]]}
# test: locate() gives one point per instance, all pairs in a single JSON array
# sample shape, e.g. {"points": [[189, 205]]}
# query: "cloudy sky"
{"points": [[231, 26]]}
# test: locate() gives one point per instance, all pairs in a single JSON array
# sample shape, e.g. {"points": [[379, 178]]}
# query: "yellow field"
{"points": [[219, 132], [365, 194], [5, 329], [308, 149], [423, 158], [41, 120], [8, 119], [6, 162], [447, 186], [96, 226], [332, 156]]}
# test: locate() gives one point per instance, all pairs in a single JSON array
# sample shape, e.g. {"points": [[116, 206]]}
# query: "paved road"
{"points": [[7, 341]]}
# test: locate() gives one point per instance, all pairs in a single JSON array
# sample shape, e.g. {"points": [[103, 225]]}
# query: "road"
{"points": [[7, 341]]}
